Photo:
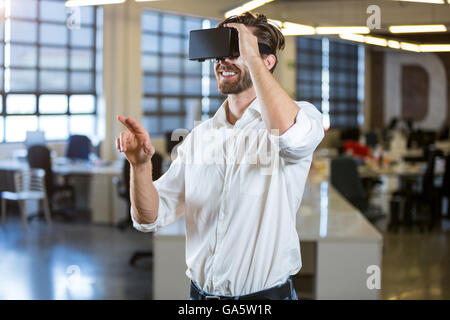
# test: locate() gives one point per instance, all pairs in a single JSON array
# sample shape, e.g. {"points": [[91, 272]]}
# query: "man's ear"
{"points": [[269, 61]]}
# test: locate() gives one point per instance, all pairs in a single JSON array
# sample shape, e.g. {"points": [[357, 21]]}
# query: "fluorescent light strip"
{"points": [[418, 28], [246, 7], [394, 44], [410, 46], [276, 23], [352, 37], [364, 39], [342, 30], [295, 29], [424, 1], [375, 41], [435, 47], [82, 3]]}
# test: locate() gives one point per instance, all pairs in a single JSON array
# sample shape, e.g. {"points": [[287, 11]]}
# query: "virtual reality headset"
{"points": [[217, 43]]}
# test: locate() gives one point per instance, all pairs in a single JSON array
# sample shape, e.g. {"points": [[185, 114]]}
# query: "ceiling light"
{"points": [[425, 1], [352, 37], [341, 30], [410, 46], [277, 23], [81, 3], [393, 44], [376, 41], [246, 7], [435, 47], [295, 29], [418, 28], [396, 44]]}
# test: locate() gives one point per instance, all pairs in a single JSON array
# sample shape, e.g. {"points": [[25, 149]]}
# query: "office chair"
{"points": [[78, 147], [28, 185], [444, 189], [371, 139], [421, 139], [39, 158], [345, 178], [415, 197], [351, 134], [124, 192]]}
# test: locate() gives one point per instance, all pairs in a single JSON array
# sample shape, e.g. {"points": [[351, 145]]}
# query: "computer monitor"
{"points": [[34, 138]]}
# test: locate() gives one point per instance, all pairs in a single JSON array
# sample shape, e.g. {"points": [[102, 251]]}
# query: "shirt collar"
{"points": [[221, 115], [255, 106]]}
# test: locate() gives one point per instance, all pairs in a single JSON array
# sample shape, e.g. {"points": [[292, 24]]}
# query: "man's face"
{"points": [[232, 77]]}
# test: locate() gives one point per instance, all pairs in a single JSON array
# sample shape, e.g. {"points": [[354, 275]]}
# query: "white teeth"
{"points": [[225, 73]]}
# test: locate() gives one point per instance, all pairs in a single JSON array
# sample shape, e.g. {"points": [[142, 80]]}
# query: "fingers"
{"points": [[149, 148], [118, 144], [123, 141], [238, 26], [232, 25], [131, 124]]}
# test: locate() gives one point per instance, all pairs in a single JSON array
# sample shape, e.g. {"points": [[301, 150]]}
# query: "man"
{"points": [[241, 237]]}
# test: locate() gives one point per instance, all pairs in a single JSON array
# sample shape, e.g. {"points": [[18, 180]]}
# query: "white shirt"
{"points": [[240, 213]]}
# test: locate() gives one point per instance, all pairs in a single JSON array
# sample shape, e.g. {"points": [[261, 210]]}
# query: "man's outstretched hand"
{"points": [[135, 142]]}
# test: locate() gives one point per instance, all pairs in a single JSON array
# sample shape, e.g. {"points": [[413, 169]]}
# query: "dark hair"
{"points": [[266, 32]]}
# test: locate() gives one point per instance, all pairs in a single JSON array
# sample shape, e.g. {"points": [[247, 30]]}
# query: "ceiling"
{"points": [[319, 12]]}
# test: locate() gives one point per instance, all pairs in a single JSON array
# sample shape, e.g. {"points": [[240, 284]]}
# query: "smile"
{"points": [[227, 74]]}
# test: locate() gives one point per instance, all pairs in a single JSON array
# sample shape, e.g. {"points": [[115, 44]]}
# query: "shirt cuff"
{"points": [[142, 226], [295, 136]]}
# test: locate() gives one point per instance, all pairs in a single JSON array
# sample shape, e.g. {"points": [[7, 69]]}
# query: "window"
{"points": [[172, 84], [330, 74], [344, 66], [50, 74], [309, 70]]}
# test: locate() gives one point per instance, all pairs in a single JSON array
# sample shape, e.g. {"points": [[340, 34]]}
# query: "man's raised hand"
{"points": [[135, 142]]}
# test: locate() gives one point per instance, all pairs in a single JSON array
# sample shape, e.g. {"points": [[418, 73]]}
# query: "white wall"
{"points": [[437, 97], [122, 75]]}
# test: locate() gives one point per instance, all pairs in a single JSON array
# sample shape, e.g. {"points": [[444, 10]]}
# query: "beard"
{"points": [[242, 83]]}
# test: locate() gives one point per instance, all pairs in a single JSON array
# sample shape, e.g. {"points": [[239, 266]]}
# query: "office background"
{"points": [[131, 59]]}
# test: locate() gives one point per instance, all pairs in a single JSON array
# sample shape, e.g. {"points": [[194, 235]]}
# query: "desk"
{"points": [[101, 194], [338, 244], [404, 169]]}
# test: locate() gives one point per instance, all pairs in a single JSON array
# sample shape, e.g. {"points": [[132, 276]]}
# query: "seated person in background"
{"points": [[356, 149]]}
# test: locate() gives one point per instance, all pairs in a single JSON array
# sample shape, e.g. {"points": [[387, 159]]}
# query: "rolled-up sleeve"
{"points": [[171, 188], [303, 137], [142, 226]]}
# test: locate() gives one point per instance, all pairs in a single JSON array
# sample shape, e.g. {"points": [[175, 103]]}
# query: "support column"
{"points": [[285, 72], [122, 73]]}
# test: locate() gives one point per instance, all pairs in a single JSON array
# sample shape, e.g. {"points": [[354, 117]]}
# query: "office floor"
{"points": [[417, 265], [82, 261], [72, 261]]}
